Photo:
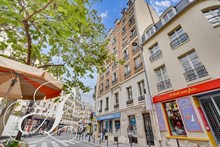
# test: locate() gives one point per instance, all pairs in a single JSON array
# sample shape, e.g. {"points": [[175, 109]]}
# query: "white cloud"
{"points": [[104, 14], [164, 3]]}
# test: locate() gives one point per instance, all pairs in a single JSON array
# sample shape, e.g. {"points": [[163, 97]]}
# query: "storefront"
{"points": [[110, 122], [190, 115]]}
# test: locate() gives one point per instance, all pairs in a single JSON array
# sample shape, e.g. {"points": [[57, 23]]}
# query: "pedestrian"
{"points": [[103, 133], [130, 133]]}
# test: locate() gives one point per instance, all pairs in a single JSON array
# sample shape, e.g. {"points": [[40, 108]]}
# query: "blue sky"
{"points": [[110, 10]]}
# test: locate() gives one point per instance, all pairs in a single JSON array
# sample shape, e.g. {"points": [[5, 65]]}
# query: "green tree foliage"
{"points": [[66, 37]]}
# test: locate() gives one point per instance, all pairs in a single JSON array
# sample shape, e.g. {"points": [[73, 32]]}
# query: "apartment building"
{"points": [[121, 90], [182, 56]]}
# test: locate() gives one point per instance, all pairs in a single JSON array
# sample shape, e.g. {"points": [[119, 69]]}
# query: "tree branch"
{"points": [[49, 65], [39, 10]]}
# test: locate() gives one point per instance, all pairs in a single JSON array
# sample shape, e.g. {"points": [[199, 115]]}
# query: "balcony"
{"points": [[100, 110], [156, 56], [141, 98], [106, 87], [127, 73], [130, 101], [138, 66], [164, 85], [114, 81], [107, 73], [116, 106], [124, 43], [106, 109], [178, 41], [196, 73]]}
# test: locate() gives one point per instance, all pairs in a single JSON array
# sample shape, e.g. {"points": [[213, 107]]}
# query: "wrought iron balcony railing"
{"points": [[138, 66], [130, 101], [164, 85], [116, 105], [141, 98], [127, 73], [180, 40], [196, 73], [114, 80], [156, 56]]}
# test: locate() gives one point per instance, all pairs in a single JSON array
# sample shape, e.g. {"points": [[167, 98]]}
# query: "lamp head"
{"points": [[134, 44]]}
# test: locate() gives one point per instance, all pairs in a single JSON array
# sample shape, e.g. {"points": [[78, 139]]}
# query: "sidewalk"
{"points": [[110, 144]]}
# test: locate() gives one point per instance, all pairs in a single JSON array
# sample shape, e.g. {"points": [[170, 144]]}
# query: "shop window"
{"points": [[174, 118], [132, 122], [117, 125]]}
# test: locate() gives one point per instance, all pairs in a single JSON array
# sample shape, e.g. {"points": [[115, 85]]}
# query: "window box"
{"points": [[141, 98], [164, 85], [196, 73], [180, 40], [130, 101]]}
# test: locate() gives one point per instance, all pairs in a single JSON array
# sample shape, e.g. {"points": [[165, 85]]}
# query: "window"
{"points": [[178, 37], [117, 125], [141, 87], [155, 53], [101, 87], [124, 41], [100, 105], [162, 78], [107, 84], [132, 122], [114, 50], [174, 118], [129, 92], [133, 33], [150, 31], [193, 67], [131, 21], [123, 30], [107, 103], [135, 48], [213, 16], [127, 70], [107, 70], [114, 78], [116, 98], [125, 54], [113, 40], [168, 16], [137, 62]]}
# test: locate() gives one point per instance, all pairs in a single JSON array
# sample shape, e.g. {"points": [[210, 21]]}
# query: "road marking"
{"points": [[63, 143], [54, 144], [44, 144], [69, 142], [33, 145], [76, 141]]}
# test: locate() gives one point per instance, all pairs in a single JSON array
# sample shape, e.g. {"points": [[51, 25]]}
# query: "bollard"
{"points": [[117, 141], [107, 140], [177, 141]]}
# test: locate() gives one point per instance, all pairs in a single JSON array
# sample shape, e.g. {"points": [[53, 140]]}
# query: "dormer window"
{"points": [[130, 2], [150, 31], [213, 16], [168, 15]]}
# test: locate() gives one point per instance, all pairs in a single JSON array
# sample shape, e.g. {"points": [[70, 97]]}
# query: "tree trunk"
{"points": [[7, 115]]}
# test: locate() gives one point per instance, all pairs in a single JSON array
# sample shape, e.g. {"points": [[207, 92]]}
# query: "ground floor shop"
{"points": [[117, 124], [190, 116]]}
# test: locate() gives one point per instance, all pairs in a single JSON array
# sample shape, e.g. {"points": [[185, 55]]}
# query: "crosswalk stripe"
{"points": [[54, 144], [44, 144], [69, 142], [33, 145], [76, 141], [63, 143]]}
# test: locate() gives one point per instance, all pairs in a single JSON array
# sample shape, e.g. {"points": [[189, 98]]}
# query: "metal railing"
{"points": [[141, 98], [164, 85], [126, 57], [156, 56], [127, 73], [130, 101], [124, 43], [116, 105], [114, 80], [138, 66], [196, 73], [180, 40]]}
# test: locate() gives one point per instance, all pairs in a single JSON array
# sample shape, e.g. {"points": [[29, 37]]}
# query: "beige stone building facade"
{"points": [[121, 90], [182, 58]]}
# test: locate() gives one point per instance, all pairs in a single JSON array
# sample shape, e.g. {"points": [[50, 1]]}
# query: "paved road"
{"points": [[62, 141]]}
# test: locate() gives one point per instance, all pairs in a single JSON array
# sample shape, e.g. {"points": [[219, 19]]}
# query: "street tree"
{"points": [[64, 37]]}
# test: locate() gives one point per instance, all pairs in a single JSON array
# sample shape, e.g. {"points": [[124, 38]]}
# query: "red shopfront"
{"points": [[183, 113]]}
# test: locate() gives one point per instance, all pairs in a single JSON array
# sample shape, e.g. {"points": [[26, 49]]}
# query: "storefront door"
{"points": [[211, 108], [148, 129]]}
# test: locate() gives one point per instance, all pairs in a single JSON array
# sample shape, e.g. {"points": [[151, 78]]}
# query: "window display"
{"points": [[174, 119]]}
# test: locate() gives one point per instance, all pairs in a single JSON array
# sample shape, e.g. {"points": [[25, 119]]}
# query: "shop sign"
{"points": [[160, 117], [206, 86], [109, 116], [188, 114], [204, 119]]}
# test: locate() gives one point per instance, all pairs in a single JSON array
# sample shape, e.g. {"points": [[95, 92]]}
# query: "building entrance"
{"points": [[148, 129]]}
